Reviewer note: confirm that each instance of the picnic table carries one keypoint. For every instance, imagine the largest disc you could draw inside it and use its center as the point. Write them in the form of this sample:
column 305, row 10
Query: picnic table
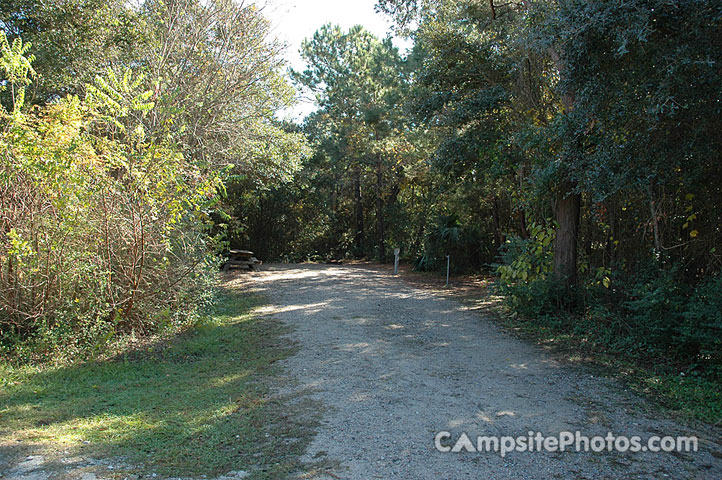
column 241, row 258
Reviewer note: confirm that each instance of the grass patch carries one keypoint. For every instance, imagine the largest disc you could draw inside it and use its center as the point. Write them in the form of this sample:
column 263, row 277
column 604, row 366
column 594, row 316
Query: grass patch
column 199, row 404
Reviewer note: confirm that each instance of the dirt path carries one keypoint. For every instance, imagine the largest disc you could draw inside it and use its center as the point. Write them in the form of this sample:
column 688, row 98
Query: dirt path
column 394, row 364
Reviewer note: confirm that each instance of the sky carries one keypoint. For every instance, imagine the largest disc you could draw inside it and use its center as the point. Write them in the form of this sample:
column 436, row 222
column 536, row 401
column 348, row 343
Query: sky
column 295, row 20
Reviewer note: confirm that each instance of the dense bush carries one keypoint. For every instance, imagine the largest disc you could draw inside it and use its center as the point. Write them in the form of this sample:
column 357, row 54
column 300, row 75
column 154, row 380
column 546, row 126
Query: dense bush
column 527, row 259
column 646, row 313
column 102, row 229
column 113, row 177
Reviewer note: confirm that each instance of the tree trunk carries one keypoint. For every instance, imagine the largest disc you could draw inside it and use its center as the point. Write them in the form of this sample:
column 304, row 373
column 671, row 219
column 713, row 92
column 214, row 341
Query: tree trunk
column 568, row 204
column 586, row 233
column 380, row 234
column 523, row 230
column 358, row 207
column 566, row 212
column 611, row 206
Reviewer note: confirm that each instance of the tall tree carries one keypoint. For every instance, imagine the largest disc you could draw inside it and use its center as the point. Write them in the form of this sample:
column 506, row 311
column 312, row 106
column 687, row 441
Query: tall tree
column 356, row 78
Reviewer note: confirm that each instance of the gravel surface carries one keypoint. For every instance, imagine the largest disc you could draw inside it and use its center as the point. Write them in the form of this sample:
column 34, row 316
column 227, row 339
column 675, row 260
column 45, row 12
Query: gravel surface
column 394, row 364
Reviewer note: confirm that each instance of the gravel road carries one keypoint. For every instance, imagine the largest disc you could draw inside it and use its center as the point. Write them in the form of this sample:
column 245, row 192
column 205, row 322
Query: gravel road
column 394, row 364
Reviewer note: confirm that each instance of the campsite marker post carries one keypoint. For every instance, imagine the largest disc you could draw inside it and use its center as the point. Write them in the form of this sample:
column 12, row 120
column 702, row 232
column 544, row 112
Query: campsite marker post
column 396, row 260
column 448, row 262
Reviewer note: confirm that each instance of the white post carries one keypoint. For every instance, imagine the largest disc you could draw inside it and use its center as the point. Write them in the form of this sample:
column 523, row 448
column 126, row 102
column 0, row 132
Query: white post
column 448, row 262
column 396, row 260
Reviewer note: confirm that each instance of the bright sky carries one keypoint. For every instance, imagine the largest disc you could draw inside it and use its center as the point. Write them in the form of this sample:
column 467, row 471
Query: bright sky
column 295, row 20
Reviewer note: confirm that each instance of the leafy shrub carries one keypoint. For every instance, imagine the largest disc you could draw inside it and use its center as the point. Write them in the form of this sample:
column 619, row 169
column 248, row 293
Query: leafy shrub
column 102, row 228
column 655, row 315
column 646, row 313
column 539, row 298
column 525, row 260
column 702, row 325
column 525, row 280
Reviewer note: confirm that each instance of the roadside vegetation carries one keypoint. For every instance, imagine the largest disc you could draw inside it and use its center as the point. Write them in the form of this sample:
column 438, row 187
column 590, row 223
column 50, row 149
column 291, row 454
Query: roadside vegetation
column 598, row 337
column 686, row 397
column 119, row 132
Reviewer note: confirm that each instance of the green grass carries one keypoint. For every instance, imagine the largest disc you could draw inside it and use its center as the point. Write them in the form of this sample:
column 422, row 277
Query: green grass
column 198, row 404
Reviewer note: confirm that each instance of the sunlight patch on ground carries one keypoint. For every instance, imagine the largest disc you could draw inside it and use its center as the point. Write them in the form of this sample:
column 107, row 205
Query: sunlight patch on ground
column 77, row 431
column 360, row 397
column 519, row 366
column 219, row 382
column 296, row 274
column 275, row 309
column 289, row 275
column 460, row 422
column 362, row 348
column 483, row 416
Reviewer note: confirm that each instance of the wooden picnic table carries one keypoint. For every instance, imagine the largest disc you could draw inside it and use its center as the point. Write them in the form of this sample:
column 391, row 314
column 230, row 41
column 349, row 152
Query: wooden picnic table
column 241, row 258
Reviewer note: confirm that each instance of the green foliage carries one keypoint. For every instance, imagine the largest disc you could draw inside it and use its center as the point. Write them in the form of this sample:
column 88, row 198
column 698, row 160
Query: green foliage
column 220, row 80
column 115, row 100
column 101, row 232
column 466, row 146
column 524, row 276
column 526, row 260
column 668, row 318
column 73, row 41
column 613, row 104
column 649, row 317
column 548, row 302
column 450, row 237
column 112, row 191
column 16, row 69
column 702, row 326
column 219, row 75
column 345, row 195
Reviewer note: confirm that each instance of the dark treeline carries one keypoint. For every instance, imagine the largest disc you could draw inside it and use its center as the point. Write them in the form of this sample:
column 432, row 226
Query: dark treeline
column 599, row 118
